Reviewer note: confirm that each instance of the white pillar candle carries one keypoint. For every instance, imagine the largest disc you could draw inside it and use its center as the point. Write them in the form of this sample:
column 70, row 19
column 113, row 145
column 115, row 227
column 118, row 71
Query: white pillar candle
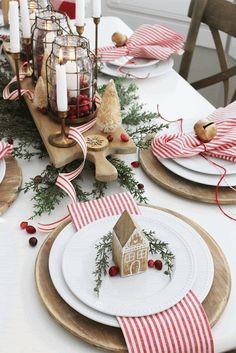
column 14, row 27
column 25, row 19
column 61, row 87
column 97, row 8
column 73, row 78
column 79, row 12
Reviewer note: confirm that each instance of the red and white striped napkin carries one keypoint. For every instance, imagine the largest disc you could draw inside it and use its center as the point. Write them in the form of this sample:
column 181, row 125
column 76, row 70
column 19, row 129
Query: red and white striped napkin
column 181, row 144
column 183, row 328
column 5, row 148
column 151, row 42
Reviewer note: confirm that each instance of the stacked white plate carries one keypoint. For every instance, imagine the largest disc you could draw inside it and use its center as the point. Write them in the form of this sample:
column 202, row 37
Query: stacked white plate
column 197, row 168
column 137, row 67
column 2, row 169
column 72, row 262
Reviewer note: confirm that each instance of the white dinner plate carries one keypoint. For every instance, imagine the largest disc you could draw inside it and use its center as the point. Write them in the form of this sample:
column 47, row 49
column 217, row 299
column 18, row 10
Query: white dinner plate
column 158, row 69
column 201, row 178
column 122, row 296
column 133, row 63
column 201, row 285
column 198, row 163
column 2, row 169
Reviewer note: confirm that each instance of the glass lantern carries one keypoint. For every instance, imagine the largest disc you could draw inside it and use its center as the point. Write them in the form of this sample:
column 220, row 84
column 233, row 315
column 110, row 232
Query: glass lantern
column 48, row 25
column 73, row 52
column 35, row 6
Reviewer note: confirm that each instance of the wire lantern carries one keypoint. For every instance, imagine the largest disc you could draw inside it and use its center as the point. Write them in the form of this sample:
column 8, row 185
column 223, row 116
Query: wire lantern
column 73, row 51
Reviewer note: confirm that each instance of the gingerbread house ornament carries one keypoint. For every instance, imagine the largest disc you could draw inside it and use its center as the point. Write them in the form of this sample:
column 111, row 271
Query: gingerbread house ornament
column 129, row 246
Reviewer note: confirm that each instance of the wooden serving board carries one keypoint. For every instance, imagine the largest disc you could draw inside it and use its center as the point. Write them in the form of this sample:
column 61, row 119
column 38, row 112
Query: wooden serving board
column 9, row 187
column 104, row 170
column 111, row 338
column 181, row 186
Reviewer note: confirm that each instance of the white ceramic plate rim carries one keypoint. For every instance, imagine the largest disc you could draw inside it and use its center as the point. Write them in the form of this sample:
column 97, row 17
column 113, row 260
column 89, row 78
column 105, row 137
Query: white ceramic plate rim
column 118, row 300
column 201, row 286
column 122, row 62
column 2, row 169
column 158, row 69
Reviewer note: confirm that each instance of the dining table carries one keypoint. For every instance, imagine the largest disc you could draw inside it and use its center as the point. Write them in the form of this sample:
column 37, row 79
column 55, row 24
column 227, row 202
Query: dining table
column 25, row 324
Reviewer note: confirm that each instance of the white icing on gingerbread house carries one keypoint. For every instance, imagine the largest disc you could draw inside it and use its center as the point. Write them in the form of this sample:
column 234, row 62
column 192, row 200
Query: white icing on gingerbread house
column 129, row 246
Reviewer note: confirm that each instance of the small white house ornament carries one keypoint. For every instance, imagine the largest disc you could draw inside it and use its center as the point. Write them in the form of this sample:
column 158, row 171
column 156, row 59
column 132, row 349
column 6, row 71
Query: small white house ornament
column 129, row 246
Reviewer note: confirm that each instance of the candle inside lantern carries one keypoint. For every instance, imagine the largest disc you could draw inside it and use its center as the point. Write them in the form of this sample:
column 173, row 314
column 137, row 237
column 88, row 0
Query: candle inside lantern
column 14, row 27
column 79, row 13
column 61, row 85
column 97, row 8
column 25, row 19
column 73, row 76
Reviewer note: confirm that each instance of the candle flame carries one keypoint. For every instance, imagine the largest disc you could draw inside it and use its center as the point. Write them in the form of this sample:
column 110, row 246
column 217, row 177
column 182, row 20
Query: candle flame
column 60, row 57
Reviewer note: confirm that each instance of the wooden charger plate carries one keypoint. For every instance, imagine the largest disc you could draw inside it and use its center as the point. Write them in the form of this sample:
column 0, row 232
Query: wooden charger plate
column 111, row 338
column 9, row 187
column 180, row 186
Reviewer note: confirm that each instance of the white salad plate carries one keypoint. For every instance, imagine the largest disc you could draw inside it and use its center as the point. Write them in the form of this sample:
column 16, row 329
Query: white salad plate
column 158, row 69
column 201, row 285
column 145, row 294
column 2, row 169
column 133, row 63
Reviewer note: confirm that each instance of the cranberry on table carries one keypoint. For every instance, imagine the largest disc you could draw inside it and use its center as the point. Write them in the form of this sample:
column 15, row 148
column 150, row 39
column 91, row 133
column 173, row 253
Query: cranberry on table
column 113, row 271
column 110, row 138
column 124, row 137
column 158, row 264
column 135, row 164
column 140, row 186
column 30, row 229
column 33, row 241
column 151, row 263
column 10, row 141
column 23, row 225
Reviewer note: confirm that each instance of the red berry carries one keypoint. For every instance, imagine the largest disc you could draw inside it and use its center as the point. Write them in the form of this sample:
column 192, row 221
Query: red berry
column 23, row 225
column 113, row 271
column 30, row 229
column 140, row 186
column 135, row 164
column 72, row 109
column 110, row 137
column 124, row 137
column 10, row 140
column 33, row 241
column 158, row 264
column 73, row 101
column 151, row 263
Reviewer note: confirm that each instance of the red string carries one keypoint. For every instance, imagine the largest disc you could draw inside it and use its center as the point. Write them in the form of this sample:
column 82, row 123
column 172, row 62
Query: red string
column 121, row 70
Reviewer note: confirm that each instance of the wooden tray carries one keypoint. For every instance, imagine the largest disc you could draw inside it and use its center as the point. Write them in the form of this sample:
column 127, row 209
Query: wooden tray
column 111, row 338
column 9, row 187
column 181, row 186
column 104, row 170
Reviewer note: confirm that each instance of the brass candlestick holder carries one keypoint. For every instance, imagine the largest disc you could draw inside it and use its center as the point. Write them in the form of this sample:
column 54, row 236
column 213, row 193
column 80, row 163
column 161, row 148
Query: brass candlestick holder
column 61, row 139
column 27, row 46
column 16, row 57
column 80, row 30
column 96, row 21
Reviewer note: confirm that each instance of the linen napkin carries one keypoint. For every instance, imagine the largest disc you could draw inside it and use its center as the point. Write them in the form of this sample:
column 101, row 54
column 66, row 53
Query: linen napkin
column 5, row 148
column 151, row 42
column 183, row 328
column 181, row 144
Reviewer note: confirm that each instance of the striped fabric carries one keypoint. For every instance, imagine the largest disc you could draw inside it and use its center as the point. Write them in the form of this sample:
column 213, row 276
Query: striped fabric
column 5, row 149
column 151, row 42
column 223, row 145
column 14, row 94
column 184, row 328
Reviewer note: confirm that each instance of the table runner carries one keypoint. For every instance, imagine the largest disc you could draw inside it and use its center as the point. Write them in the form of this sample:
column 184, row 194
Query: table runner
column 184, row 328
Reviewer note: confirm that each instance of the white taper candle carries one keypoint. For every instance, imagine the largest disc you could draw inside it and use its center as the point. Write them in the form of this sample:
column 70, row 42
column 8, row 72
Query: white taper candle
column 14, row 27
column 25, row 19
column 79, row 12
column 62, row 100
column 97, row 8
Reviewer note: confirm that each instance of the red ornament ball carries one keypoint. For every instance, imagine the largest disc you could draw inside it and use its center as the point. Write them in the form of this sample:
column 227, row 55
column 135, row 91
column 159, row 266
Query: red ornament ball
column 124, row 137
column 151, row 263
column 113, row 271
column 158, row 264
column 30, row 229
column 23, row 225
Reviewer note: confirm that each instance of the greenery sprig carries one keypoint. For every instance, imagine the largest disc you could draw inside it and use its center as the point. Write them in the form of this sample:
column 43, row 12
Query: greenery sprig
column 104, row 250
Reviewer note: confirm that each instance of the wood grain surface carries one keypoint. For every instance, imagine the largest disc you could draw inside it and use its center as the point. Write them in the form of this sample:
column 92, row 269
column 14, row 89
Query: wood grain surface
column 110, row 338
column 9, row 188
column 180, row 186
column 104, row 170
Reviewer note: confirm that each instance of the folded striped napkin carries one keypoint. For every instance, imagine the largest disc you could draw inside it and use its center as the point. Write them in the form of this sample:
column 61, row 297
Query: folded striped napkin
column 183, row 328
column 5, row 148
column 181, row 144
column 151, row 42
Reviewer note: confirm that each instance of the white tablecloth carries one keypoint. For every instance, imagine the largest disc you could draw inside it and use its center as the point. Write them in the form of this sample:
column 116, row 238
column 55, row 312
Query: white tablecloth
column 25, row 325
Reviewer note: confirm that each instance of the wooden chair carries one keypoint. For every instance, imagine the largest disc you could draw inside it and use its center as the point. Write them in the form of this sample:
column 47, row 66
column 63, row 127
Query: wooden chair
column 219, row 15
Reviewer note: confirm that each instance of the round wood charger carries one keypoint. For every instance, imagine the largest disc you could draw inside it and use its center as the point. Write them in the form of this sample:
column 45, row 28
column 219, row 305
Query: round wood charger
column 111, row 338
column 180, row 186
column 9, row 187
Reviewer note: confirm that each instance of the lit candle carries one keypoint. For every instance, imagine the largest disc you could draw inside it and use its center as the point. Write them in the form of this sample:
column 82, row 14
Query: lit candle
column 79, row 12
column 25, row 19
column 61, row 89
column 73, row 76
column 97, row 8
column 14, row 27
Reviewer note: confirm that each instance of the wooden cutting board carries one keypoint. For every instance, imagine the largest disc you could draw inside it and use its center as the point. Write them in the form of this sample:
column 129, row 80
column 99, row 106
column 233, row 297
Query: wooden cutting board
column 111, row 338
column 9, row 187
column 104, row 170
